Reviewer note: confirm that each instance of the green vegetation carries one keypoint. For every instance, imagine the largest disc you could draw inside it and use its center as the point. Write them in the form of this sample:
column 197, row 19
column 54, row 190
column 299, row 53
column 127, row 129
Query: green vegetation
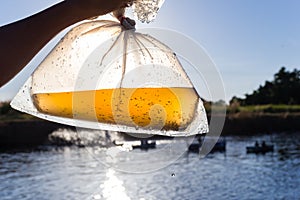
column 270, row 108
column 235, row 108
column 284, row 89
column 281, row 95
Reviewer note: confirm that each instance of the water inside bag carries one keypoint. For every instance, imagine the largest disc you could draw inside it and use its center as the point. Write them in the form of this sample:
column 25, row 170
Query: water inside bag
column 146, row 106
column 100, row 76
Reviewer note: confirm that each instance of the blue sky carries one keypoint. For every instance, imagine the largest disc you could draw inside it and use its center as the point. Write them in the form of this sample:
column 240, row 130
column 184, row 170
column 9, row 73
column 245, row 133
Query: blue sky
column 249, row 40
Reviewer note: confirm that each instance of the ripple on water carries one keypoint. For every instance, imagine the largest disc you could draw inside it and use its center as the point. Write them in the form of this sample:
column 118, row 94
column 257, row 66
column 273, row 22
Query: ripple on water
column 73, row 173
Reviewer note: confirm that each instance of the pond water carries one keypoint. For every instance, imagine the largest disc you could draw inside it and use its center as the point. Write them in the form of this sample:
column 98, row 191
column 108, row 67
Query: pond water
column 163, row 173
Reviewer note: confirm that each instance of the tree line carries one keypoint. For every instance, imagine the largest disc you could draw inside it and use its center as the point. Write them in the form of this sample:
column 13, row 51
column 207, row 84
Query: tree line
column 283, row 89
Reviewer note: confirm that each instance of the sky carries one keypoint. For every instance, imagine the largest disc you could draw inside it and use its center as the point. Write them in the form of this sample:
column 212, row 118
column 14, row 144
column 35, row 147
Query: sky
column 248, row 40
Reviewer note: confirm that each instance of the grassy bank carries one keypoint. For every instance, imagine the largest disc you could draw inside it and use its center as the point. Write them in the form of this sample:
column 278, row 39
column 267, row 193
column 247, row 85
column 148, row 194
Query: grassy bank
column 266, row 109
column 253, row 109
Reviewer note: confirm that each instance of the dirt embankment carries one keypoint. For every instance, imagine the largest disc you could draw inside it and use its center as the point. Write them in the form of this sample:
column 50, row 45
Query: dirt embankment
column 256, row 123
column 26, row 132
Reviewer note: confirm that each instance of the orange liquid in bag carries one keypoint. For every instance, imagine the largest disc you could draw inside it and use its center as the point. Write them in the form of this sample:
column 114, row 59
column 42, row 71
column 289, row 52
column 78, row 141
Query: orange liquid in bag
column 156, row 108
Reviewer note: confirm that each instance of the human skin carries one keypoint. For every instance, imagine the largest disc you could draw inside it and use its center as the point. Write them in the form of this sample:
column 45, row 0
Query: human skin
column 22, row 40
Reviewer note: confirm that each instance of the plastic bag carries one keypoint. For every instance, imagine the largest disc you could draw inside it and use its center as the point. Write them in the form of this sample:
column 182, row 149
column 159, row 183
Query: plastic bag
column 146, row 10
column 101, row 76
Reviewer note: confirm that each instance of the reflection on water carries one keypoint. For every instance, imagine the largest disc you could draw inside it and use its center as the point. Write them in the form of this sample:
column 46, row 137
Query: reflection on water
column 81, row 173
column 112, row 188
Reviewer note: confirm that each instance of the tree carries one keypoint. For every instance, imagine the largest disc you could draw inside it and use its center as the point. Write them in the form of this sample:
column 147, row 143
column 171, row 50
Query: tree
column 284, row 89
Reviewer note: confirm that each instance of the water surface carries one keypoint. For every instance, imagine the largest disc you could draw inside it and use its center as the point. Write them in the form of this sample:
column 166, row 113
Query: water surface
column 94, row 173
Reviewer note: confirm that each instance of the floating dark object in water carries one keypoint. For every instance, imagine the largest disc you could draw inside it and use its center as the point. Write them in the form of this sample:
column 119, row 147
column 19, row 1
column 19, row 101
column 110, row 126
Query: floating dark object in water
column 195, row 147
column 220, row 145
column 264, row 148
column 145, row 145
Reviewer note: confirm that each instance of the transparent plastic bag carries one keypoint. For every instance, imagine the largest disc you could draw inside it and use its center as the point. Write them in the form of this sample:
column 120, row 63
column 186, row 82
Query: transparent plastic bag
column 146, row 10
column 101, row 76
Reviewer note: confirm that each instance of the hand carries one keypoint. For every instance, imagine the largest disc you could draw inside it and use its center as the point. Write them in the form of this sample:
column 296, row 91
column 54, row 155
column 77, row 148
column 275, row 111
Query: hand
column 22, row 40
column 91, row 8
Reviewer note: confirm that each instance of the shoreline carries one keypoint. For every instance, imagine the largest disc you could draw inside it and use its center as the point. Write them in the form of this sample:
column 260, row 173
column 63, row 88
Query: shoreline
column 15, row 133
column 22, row 133
column 260, row 123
